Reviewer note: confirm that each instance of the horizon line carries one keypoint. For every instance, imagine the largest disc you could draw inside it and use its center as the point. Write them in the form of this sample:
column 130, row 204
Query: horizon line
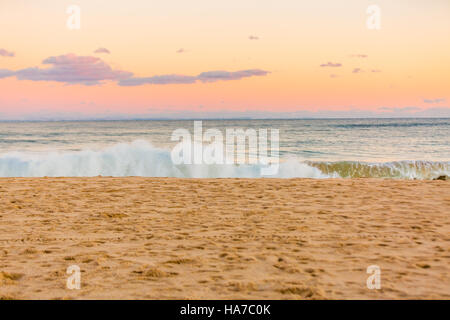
column 218, row 119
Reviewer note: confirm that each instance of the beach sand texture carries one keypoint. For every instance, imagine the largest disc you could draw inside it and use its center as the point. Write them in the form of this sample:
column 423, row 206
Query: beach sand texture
column 168, row 238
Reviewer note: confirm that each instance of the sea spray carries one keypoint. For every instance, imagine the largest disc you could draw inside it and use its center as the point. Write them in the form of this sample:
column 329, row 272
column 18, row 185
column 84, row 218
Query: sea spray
column 140, row 158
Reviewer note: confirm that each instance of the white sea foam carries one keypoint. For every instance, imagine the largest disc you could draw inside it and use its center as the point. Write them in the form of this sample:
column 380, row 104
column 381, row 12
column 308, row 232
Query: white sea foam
column 140, row 158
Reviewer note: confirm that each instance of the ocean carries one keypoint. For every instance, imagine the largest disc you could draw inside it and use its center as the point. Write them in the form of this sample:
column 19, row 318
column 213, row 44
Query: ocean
column 308, row 148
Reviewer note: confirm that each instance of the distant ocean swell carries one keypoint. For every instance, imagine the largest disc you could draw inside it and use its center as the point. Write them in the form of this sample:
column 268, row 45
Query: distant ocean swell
column 140, row 158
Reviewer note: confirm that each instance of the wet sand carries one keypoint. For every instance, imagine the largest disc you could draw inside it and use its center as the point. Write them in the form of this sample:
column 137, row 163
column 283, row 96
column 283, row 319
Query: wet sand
column 167, row 238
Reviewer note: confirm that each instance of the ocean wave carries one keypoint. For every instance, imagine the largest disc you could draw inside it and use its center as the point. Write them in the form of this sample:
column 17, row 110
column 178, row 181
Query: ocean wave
column 422, row 170
column 140, row 158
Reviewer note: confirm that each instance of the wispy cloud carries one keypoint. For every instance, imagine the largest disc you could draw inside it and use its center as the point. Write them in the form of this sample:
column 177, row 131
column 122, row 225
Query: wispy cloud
column 399, row 110
column 73, row 69
column 253, row 38
column 331, row 64
column 162, row 79
column 88, row 70
column 357, row 70
column 102, row 50
column 6, row 53
column 181, row 50
column 359, row 55
column 4, row 73
column 434, row 101
column 209, row 76
column 213, row 76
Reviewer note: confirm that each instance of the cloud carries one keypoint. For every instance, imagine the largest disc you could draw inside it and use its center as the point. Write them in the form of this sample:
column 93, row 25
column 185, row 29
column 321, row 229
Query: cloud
column 212, row 76
column 4, row 73
column 399, row 109
column 162, row 79
column 209, row 76
column 359, row 55
column 102, row 50
column 431, row 101
column 357, row 70
column 73, row 69
column 442, row 112
column 181, row 50
column 375, row 71
column 88, row 70
column 253, row 37
column 331, row 64
column 6, row 53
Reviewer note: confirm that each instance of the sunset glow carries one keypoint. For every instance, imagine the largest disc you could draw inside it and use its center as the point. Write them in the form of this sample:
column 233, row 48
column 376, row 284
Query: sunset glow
column 219, row 59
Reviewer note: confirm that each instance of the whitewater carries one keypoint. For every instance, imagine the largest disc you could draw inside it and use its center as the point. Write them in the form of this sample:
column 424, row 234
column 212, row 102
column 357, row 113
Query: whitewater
column 140, row 158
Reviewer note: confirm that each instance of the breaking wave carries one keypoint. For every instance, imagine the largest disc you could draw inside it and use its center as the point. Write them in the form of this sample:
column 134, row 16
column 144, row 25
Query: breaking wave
column 140, row 158
column 422, row 170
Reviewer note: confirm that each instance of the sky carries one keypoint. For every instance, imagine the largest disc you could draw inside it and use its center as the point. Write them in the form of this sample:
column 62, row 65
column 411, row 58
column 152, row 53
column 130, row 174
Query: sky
column 234, row 58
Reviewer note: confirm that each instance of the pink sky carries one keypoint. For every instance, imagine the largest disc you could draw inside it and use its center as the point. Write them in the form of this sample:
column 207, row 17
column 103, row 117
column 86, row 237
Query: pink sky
column 224, row 59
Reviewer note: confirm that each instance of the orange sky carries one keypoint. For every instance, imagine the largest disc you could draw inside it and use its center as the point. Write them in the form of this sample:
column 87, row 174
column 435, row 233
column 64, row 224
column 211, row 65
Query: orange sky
column 291, row 40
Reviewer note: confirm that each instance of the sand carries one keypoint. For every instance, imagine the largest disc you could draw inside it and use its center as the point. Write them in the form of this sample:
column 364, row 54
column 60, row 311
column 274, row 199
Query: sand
column 166, row 238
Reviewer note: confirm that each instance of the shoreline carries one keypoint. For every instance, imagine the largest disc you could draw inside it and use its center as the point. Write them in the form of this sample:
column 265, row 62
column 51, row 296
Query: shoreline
column 224, row 238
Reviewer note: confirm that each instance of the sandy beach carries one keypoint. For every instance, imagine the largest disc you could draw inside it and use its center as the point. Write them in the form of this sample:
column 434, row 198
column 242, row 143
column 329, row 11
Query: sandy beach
column 168, row 238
